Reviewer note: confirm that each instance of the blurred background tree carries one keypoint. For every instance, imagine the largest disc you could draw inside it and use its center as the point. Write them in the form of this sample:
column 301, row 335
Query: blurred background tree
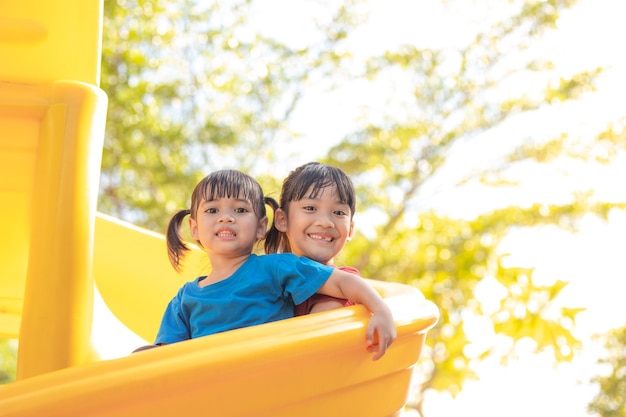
column 611, row 398
column 198, row 86
column 8, row 360
column 193, row 87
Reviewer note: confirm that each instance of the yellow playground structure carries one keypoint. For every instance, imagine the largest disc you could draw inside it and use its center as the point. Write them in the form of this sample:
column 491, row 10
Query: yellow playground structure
column 56, row 249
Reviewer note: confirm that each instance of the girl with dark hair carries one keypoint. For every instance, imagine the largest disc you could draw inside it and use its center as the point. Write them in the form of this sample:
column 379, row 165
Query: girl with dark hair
column 315, row 220
column 227, row 218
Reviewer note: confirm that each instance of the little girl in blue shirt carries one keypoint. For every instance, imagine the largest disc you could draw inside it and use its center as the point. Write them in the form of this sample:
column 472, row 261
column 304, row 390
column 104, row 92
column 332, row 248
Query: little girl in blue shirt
column 227, row 218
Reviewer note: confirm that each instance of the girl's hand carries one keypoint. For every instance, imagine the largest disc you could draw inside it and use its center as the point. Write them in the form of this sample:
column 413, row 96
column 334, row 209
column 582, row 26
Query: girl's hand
column 381, row 332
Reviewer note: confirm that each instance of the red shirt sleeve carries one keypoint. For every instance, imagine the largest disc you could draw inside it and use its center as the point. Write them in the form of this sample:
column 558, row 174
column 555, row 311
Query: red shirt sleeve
column 305, row 308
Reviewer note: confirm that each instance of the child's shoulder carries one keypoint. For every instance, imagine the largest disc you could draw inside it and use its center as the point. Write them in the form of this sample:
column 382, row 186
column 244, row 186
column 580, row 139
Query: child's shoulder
column 284, row 259
column 272, row 258
column 349, row 269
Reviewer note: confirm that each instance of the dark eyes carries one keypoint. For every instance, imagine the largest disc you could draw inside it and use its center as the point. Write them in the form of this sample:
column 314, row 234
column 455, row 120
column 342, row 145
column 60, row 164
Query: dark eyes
column 335, row 212
column 239, row 210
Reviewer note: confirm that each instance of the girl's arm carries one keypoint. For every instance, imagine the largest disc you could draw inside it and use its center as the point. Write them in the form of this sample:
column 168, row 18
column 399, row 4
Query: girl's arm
column 381, row 330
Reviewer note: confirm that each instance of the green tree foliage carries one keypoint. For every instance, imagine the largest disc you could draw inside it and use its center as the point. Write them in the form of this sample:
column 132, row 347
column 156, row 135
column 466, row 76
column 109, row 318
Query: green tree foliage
column 8, row 360
column 442, row 100
column 194, row 87
column 611, row 400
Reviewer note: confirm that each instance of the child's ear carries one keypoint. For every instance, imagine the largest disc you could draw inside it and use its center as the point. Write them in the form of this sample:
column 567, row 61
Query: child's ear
column 350, row 232
column 262, row 229
column 193, row 228
column 280, row 220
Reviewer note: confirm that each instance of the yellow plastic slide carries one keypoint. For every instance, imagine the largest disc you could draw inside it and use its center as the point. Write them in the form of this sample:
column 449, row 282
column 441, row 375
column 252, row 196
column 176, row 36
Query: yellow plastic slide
column 56, row 249
column 307, row 366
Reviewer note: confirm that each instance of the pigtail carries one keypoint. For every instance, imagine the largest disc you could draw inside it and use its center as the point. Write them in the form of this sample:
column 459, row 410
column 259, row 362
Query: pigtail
column 270, row 201
column 275, row 240
column 176, row 246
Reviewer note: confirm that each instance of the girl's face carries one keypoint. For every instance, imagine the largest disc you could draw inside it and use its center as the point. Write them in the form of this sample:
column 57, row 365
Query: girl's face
column 227, row 226
column 317, row 228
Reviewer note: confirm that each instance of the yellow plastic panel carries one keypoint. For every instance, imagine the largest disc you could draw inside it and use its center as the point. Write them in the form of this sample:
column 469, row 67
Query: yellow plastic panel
column 22, row 108
column 51, row 144
column 314, row 365
column 134, row 276
column 50, row 40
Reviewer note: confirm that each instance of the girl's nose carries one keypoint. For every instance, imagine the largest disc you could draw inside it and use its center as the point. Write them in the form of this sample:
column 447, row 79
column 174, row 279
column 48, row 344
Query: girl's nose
column 226, row 218
column 324, row 220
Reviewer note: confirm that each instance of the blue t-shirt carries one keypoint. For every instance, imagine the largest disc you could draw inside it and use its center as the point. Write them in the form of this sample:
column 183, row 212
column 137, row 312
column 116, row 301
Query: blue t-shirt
column 263, row 289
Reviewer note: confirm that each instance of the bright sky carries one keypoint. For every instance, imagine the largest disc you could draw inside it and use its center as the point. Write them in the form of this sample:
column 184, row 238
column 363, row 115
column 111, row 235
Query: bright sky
column 592, row 260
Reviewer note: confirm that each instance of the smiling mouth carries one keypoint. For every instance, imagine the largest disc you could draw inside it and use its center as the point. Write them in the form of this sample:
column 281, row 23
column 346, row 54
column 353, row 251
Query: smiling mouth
column 225, row 233
column 321, row 238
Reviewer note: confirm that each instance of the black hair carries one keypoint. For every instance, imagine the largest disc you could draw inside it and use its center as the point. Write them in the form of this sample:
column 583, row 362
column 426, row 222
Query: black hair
column 311, row 178
column 226, row 183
